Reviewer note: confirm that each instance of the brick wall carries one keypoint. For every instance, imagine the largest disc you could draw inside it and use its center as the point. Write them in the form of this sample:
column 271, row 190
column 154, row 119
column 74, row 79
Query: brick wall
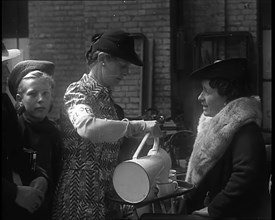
column 60, row 31
column 216, row 15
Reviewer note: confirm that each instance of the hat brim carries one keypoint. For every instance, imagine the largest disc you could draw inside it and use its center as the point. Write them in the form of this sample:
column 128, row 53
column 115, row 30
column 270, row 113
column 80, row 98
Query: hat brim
column 133, row 58
column 110, row 48
column 12, row 53
column 229, row 69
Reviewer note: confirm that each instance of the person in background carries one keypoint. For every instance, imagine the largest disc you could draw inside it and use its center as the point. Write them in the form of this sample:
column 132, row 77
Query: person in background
column 93, row 133
column 18, row 201
column 31, row 85
column 228, row 163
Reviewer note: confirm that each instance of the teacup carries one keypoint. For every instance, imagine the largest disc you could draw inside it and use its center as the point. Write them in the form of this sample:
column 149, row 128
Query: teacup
column 167, row 188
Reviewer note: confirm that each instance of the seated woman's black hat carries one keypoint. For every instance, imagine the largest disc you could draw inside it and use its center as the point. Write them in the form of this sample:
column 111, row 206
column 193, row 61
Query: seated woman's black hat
column 229, row 69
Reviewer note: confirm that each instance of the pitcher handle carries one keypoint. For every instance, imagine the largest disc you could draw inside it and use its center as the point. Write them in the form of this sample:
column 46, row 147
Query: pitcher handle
column 154, row 148
column 156, row 144
column 140, row 146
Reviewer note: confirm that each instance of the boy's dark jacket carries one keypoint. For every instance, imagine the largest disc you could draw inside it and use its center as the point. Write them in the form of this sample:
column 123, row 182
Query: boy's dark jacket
column 15, row 158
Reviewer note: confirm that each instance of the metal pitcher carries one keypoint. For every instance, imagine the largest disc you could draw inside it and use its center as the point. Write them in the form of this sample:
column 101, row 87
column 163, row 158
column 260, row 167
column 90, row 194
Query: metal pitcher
column 135, row 180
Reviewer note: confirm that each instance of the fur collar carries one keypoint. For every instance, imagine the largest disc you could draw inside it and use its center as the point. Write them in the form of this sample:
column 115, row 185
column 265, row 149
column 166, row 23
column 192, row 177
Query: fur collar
column 214, row 134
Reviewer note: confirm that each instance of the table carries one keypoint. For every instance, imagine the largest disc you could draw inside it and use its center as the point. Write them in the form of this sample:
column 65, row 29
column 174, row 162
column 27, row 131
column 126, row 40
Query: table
column 158, row 204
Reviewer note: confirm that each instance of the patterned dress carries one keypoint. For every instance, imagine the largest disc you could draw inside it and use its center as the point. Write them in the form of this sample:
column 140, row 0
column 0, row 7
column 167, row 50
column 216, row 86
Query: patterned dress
column 86, row 178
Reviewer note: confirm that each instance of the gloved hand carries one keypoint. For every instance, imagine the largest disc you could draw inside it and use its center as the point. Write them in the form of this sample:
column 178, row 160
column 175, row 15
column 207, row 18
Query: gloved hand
column 40, row 183
column 140, row 127
column 154, row 128
column 29, row 198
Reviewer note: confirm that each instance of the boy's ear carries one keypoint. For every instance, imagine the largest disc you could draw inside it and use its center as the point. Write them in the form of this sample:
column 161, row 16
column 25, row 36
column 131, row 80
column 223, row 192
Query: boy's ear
column 18, row 98
column 101, row 57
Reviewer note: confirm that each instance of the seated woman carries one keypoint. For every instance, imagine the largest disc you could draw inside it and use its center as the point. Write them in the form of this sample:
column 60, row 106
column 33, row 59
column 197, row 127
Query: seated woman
column 228, row 163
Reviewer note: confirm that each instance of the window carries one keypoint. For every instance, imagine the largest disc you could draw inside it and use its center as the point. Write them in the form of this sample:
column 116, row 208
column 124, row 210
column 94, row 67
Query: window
column 220, row 46
column 14, row 19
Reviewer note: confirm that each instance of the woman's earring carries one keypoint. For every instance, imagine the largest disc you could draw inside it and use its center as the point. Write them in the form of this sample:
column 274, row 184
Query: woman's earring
column 103, row 64
column 224, row 104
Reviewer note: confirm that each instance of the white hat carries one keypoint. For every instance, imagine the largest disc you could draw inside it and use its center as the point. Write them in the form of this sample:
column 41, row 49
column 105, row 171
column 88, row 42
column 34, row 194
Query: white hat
column 9, row 54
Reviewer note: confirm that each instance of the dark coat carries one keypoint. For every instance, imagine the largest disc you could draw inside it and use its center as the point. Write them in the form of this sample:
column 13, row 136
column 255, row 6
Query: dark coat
column 44, row 138
column 13, row 158
column 17, row 136
column 238, row 184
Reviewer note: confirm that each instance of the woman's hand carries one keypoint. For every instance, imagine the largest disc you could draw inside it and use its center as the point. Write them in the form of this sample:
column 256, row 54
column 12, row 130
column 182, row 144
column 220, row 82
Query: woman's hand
column 141, row 127
column 154, row 128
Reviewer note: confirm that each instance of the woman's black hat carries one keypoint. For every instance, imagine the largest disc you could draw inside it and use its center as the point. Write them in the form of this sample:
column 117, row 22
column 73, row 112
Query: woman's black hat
column 118, row 43
column 229, row 69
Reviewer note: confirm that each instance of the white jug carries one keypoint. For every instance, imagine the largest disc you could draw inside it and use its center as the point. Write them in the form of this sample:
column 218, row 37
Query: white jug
column 135, row 180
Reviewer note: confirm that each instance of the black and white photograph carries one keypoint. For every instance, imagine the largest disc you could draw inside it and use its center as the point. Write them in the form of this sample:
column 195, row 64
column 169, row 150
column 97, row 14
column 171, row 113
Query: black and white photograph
column 136, row 110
